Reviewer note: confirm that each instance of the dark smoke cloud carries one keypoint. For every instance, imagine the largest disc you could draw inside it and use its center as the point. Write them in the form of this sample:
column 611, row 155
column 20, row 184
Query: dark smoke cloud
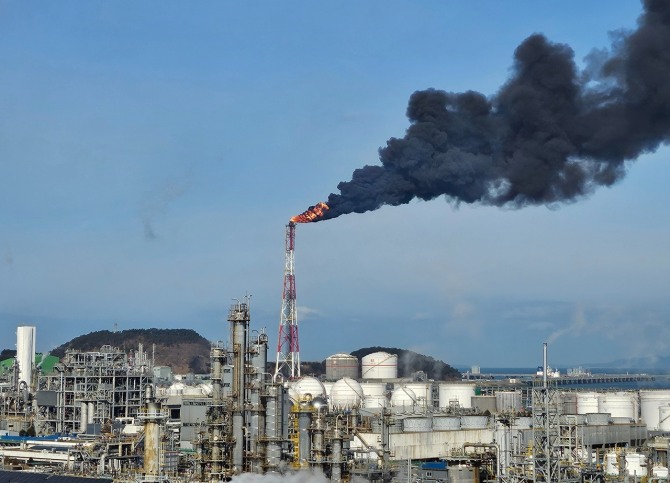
column 551, row 134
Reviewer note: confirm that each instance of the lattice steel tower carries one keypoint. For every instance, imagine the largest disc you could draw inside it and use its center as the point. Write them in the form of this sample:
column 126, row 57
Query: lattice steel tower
column 288, row 352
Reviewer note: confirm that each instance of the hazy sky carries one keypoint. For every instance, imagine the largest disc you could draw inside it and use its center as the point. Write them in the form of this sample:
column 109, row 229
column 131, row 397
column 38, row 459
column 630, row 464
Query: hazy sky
column 152, row 152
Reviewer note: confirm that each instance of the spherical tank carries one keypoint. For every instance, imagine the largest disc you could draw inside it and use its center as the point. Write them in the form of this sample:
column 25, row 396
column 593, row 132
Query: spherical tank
column 618, row 404
column 423, row 392
column 308, row 386
column 379, row 365
column 403, row 397
column 454, row 393
column 587, row 402
column 375, row 394
column 346, row 394
column 650, row 402
column 328, row 386
column 341, row 365
column 508, row 400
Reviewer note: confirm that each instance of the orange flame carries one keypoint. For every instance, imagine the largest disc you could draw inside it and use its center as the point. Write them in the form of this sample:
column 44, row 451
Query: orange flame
column 313, row 213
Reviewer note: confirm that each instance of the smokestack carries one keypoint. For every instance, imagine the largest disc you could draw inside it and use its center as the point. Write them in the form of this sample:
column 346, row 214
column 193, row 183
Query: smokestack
column 552, row 134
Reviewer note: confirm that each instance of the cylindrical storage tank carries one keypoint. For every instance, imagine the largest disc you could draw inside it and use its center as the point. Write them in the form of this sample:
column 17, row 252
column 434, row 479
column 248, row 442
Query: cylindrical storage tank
column 341, row 365
column 483, row 403
column 636, row 464
column 587, row 402
column 568, row 402
column 416, row 424
column 446, row 423
column 455, row 394
column 423, row 392
column 664, row 418
column 508, row 400
column 379, row 365
column 91, row 412
column 346, row 394
column 375, row 395
column 403, row 397
column 474, row 422
column 597, row 419
column 618, row 404
column 650, row 402
column 25, row 352
column 308, row 386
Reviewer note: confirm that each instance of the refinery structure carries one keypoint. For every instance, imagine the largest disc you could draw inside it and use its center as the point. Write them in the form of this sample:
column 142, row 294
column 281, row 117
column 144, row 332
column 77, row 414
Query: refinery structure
column 114, row 415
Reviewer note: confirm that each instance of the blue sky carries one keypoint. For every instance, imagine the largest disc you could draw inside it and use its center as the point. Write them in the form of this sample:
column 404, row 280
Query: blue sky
column 151, row 154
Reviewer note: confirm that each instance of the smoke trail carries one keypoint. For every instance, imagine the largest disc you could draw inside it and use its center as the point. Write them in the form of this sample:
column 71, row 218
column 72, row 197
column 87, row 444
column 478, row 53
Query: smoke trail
column 551, row 134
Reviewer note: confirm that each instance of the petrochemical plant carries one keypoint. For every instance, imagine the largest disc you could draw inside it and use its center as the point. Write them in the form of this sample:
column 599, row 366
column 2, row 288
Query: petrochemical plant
column 114, row 415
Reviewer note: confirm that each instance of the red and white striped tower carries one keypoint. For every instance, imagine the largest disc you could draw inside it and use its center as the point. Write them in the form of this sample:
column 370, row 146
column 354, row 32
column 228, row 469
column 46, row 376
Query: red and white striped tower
column 288, row 351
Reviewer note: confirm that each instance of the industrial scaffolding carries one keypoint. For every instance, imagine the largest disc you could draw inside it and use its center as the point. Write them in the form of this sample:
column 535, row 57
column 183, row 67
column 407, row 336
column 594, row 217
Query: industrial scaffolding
column 88, row 390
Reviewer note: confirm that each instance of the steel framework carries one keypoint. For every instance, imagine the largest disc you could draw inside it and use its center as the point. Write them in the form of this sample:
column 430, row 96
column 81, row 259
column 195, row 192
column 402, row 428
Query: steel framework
column 288, row 351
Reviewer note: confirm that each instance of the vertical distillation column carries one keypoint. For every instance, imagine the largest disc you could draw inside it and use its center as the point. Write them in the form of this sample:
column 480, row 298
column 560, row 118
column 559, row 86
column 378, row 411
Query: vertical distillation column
column 152, row 437
column 259, row 357
column 288, row 353
column 217, row 417
column 545, row 428
column 239, row 320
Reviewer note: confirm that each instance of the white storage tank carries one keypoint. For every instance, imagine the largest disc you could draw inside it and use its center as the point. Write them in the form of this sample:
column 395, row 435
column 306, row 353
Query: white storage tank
column 416, row 424
column 403, row 397
column 25, row 352
column 375, row 394
column 446, row 423
column 659, row 471
column 341, row 365
column 455, row 393
column 379, row 365
column 650, row 403
column 307, row 386
column 508, row 400
column 664, row 418
column 611, row 461
column 423, row 392
column 618, row 404
column 587, row 402
column 346, row 394
column 636, row 464
column 328, row 386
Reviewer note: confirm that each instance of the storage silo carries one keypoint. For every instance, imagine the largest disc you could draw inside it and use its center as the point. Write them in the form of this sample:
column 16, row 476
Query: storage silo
column 341, row 365
column 346, row 394
column 379, row 365
column 25, row 352
column 455, row 393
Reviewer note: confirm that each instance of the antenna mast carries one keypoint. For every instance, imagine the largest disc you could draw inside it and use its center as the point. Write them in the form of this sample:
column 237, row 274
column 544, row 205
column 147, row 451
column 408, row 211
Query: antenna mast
column 288, row 352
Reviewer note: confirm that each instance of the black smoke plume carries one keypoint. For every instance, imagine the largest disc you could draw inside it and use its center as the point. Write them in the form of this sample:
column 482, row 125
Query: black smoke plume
column 552, row 134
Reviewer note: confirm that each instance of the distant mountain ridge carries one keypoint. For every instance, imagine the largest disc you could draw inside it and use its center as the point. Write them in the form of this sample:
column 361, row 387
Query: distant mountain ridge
column 184, row 350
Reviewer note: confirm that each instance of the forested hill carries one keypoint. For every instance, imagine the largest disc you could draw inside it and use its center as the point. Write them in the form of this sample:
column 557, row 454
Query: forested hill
column 184, row 350
column 410, row 362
